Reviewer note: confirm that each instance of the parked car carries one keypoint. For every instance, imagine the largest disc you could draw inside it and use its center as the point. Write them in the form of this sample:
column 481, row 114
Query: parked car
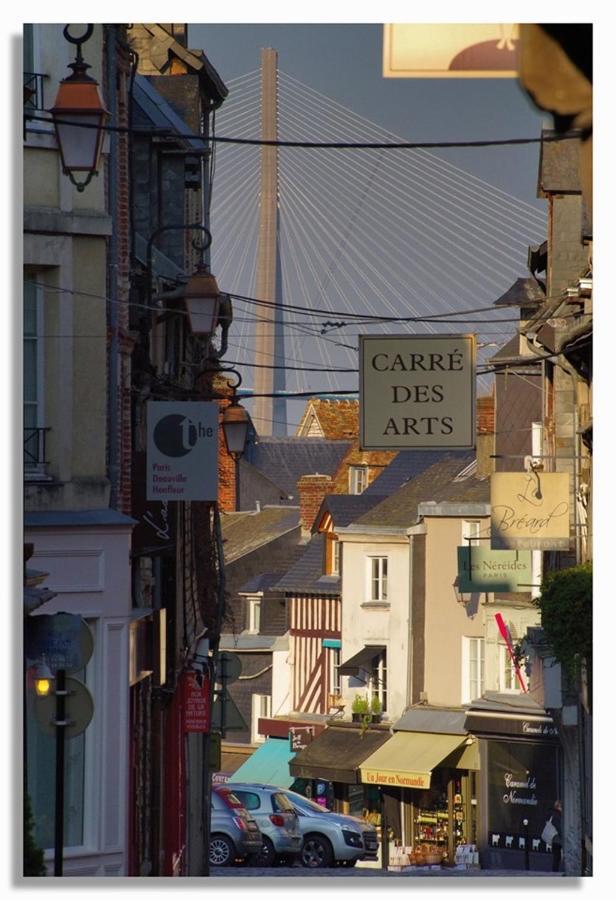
column 332, row 838
column 234, row 834
column 276, row 818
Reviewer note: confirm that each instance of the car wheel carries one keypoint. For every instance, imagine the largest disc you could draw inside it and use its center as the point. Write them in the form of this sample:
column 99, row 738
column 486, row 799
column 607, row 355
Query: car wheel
column 267, row 856
column 222, row 851
column 317, row 852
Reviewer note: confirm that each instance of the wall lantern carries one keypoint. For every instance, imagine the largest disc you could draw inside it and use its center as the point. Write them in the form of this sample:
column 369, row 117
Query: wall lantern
column 43, row 680
column 462, row 599
column 235, row 423
column 79, row 118
column 202, row 299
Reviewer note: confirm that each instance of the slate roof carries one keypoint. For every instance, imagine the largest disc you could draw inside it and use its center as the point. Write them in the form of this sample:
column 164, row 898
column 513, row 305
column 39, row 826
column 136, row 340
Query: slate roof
column 407, row 464
column 437, row 483
column 345, row 508
column 306, row 576
column 244, row 532
column 161, row 114
column 283, row 460
column 523, row 292
column 260, row 583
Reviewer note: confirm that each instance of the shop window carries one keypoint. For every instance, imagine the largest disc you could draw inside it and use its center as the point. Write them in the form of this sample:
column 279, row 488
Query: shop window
column 473, row 668
column 378, row 566
column 358, row 479
column 253, row 623
column 261, row 709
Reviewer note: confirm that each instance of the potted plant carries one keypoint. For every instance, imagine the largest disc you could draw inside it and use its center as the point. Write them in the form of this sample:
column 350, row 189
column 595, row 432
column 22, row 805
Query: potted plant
column 376, row 708
column 359, row 708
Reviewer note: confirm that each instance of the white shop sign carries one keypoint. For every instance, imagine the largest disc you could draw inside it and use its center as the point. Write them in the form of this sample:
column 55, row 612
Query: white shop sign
column 182, row 457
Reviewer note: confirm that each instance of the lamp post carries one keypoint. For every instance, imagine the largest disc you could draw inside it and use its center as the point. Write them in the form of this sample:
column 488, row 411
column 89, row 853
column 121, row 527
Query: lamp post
column 79, row 117
column 235, row 425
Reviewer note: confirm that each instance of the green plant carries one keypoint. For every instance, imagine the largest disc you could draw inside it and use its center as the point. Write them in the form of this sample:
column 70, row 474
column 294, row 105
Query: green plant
column 376, row 707
column 360, row 704
column 33, row 856
column 566, row 615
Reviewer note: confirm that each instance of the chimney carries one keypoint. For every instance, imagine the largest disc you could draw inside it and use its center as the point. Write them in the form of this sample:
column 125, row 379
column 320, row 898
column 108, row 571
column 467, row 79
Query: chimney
column 312, row 490
column 486, row 410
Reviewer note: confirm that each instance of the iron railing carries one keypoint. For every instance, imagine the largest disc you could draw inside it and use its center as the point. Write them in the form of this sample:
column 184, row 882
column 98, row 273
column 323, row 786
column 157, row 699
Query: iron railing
column 35, row 450
column 34, row 96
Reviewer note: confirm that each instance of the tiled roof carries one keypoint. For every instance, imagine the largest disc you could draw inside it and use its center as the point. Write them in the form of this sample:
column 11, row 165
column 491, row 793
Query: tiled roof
column 523, row 292
column 437, row 483
column 306, row 576
column 375, row 460
column 244, row 532
column 335, row 419
column 346, row 508
column 283, row 460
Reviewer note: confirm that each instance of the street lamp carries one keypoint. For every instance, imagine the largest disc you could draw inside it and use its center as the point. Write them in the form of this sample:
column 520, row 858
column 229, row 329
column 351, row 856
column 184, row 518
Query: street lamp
column 43, row 680
column 202, row 299
column 79, row 116
column 235, row 423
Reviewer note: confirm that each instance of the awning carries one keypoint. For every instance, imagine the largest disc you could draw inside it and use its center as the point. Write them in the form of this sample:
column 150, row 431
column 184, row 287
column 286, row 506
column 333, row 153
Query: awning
column 337, row 754
column 269, row 764
column 361, row 660
column 408, row 758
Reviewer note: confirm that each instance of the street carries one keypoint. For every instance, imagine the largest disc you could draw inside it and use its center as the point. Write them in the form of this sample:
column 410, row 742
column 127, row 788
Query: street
column 339, row 872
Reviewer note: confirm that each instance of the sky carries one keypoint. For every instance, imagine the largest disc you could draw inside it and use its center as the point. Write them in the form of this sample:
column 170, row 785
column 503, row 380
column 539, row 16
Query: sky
column 344, row 61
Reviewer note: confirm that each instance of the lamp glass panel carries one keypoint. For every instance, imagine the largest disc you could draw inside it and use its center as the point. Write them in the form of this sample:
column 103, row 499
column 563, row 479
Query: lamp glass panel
column 79, row 145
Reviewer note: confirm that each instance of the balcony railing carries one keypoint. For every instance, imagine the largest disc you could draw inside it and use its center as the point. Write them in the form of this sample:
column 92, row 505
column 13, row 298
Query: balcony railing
column 34, row 97
column 35, row 451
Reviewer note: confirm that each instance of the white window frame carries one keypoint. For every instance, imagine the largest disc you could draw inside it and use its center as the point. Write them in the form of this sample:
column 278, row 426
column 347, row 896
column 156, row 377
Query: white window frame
column 471, row 532
column 253, row 622
column 380, row 580
column 334, row 660
column 377, row 684
column 261, row 709
column 336, row 557
column 36, row 469
column 473, row 652
column 507, row 679
column 358, row 479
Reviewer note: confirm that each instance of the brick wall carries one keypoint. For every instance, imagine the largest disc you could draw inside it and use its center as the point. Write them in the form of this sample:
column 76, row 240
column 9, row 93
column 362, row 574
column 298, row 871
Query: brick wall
column 312, row 490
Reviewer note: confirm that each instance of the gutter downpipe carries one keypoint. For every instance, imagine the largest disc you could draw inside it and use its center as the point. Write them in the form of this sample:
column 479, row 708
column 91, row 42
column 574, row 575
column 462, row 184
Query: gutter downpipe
column 112, row 400
column 418, row 528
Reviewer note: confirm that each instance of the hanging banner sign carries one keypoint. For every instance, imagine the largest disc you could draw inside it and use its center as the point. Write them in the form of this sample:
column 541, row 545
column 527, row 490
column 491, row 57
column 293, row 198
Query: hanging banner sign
column 182, row 458
column 300, row 738
column 446, row 50
column 417, row 392
column 481, row 569
column 196, row 706
column 530, row 510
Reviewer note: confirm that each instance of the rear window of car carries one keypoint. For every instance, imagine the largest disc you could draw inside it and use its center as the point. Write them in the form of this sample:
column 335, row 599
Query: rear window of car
column 280, row 803
column 248, row 799
column 229, row 798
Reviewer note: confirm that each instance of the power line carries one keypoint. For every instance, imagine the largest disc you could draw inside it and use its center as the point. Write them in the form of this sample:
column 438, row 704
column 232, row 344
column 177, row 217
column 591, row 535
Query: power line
column 314, row 145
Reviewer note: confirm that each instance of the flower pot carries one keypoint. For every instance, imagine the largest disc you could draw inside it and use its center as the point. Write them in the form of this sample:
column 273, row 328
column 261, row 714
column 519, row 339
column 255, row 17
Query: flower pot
column 377, row 717
column 355, row 717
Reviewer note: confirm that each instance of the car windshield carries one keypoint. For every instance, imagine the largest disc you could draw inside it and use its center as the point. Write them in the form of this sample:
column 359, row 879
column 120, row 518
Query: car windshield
column 308, row 805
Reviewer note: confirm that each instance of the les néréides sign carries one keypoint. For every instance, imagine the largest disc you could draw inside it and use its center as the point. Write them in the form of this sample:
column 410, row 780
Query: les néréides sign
column 182, row 457
column 417, row 392
column 481, row 569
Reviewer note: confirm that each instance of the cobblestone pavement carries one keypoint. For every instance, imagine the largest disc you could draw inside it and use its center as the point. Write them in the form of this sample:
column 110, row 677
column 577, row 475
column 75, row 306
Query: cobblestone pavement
column 427, row 872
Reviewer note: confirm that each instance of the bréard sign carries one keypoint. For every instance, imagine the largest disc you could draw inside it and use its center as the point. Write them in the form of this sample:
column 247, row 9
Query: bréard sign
column 417, row 392
column 530, row 510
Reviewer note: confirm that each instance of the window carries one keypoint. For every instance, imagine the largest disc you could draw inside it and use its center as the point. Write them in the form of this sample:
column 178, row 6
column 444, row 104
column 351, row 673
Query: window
column 248, row 799
column 358, row 479
column 507, row 678
column 333, row 656
column 336, row 556
column 254, row 615
column 377, row 685
column 471, row 532
column 377, row 592
column 34, row 432
column 261, row 709
column 473, row 666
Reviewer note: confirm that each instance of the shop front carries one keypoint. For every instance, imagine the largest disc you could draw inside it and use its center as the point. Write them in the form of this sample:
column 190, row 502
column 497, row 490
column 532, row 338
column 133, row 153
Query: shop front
column 519, row 780
column 334, row 758
column 428, row 781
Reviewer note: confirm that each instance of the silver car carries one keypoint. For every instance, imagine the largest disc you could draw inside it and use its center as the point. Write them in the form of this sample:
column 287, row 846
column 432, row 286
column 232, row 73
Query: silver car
column 234, row 834
column 276, row 818
column 332, row 838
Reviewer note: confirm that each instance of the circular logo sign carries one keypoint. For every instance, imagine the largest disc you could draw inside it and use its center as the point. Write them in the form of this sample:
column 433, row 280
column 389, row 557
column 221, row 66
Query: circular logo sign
column 175, row 435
